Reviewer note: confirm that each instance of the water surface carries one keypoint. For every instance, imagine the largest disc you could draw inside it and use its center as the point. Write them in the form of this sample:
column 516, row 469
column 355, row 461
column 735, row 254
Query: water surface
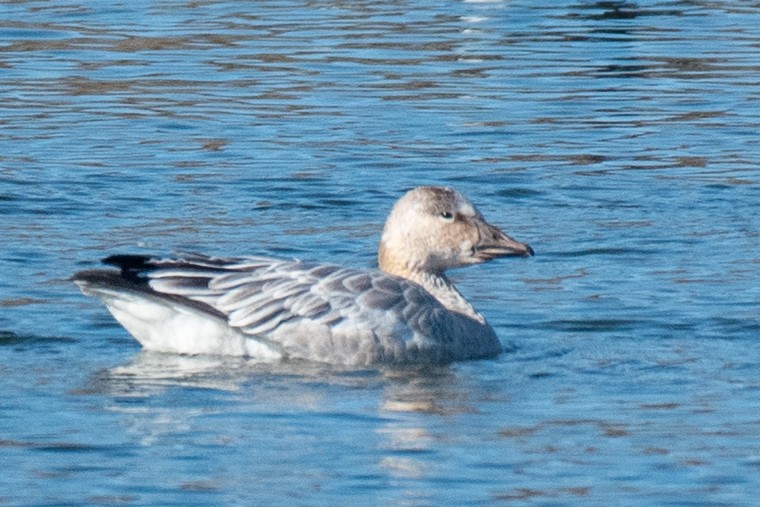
column 620, row 139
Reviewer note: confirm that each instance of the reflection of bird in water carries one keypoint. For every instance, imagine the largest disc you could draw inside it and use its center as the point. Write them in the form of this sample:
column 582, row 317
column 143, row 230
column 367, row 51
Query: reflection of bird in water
column 406, row 312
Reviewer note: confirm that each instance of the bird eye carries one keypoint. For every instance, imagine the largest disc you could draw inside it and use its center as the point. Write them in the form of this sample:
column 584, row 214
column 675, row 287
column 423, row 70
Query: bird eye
column 447, row 216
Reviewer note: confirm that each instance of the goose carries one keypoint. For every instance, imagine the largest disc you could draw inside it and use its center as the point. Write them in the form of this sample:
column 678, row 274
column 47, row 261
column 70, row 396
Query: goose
column 269, row 309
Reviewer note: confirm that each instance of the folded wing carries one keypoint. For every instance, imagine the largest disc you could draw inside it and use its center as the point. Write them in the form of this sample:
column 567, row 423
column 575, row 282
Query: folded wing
column 258, row 294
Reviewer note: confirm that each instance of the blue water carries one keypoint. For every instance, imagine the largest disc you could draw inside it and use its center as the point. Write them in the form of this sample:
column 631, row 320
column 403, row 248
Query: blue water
column 620, row 139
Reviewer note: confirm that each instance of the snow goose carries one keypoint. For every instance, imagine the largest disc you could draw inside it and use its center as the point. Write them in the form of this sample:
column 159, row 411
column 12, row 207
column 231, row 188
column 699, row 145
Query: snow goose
column 407, row 312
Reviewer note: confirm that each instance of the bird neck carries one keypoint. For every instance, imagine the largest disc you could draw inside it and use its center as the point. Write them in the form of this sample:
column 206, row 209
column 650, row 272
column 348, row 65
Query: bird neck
column 435, row 282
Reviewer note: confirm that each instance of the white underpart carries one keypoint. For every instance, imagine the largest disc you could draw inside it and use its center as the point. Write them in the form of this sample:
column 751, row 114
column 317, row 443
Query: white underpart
column 163, row 326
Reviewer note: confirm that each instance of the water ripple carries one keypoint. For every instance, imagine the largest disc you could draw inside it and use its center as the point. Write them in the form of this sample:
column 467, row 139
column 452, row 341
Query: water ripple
column 619, row 138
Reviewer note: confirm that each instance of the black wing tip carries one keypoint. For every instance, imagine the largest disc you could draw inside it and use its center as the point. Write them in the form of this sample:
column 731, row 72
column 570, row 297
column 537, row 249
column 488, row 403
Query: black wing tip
column 130, row 266
column 129, row 262
column 86, row 276
column 99, row 278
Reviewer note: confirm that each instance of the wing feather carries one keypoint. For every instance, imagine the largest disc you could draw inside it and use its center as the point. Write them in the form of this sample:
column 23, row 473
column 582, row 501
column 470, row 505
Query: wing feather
column 258, row 294
column 252, row 316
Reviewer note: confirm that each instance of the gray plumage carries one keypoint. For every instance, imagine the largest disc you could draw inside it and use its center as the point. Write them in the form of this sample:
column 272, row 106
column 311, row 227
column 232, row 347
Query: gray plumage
column 408, row 312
